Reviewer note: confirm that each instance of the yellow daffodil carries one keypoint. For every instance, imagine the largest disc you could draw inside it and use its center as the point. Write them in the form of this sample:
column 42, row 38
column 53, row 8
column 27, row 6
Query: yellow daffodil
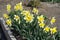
column 53, row 30
column 35, row 10
column 40, row 18
column 29, row 18
column 25, row 13
column 18, row 6
column 8, row 7
column 8, row 22
column 42, row 25
column 46, row 29
column 5, row 16
column 53, row 20
column 16, row 17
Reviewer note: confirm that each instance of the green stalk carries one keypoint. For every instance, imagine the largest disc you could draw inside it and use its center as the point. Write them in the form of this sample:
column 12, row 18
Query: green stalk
column 53, row 1
column 54, row 37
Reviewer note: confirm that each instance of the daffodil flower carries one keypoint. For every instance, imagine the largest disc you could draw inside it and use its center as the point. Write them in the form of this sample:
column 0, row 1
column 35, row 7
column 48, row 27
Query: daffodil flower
column 5, row 16
column 8, row 7
column 41, row 25
column 25, row 13
column 35, row 10
column 53, row 30
column 9, row 22
column 29, row 18
column 40, row 18
column 46, row 29
column 53, row 20
column 16, row 17
column 18, row 6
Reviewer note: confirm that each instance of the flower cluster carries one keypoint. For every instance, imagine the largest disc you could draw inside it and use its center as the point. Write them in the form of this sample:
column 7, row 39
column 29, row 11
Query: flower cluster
column 41, row 20
column 31, row 25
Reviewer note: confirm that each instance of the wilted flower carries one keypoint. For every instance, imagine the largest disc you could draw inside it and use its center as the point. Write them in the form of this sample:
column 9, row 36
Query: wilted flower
column 16, row 17
column 8, row 7
column 42, row 24
column 53, row 20
column 53, row 30
column 40, row 18
column 29, row 18
column 18, row 6
column 9, row 22
column 35, row 10
column 5, row 16
column 46, row 29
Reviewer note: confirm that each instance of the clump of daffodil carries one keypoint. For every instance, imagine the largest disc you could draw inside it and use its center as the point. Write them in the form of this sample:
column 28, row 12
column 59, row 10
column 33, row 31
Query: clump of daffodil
column 42, row 24
column 53, row 20
column 9, row 22
column 40, row 18
column 8, row 7
column 46, row 29
column 5, row 16
column 25, row 13
column 18, row 6
column 16, row 17
column 53, row 30
column 35, row 10
column 29, row 18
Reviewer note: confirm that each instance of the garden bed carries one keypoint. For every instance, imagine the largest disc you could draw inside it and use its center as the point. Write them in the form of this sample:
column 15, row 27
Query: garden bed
column 30, row 25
